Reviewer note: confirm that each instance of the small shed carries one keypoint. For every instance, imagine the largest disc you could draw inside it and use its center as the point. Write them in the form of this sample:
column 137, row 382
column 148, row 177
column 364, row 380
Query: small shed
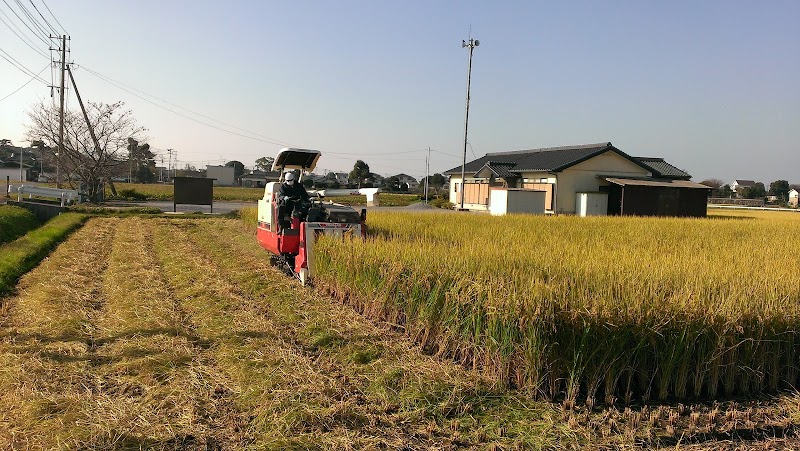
column 591, row 204
column 793, row 198
column 503, row 201
column 649, row 197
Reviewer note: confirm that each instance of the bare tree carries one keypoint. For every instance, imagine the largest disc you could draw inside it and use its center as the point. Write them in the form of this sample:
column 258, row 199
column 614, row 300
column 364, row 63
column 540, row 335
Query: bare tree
column 81, row 158
column 713, row 183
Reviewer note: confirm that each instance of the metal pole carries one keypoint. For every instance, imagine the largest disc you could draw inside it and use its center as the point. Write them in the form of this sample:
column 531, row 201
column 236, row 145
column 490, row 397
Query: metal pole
column 472, row 43
column 427, row 173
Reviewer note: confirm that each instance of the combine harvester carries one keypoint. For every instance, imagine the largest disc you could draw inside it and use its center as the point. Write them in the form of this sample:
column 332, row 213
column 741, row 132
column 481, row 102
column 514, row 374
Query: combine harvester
column 290, row 237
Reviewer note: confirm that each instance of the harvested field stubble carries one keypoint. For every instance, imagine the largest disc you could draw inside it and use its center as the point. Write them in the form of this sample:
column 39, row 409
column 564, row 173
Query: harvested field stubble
column 584, row 309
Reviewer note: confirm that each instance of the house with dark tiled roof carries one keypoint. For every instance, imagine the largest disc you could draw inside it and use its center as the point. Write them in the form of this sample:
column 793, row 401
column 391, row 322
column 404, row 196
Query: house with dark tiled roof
column 738, row 185
column 568, row 175
column 259, row 179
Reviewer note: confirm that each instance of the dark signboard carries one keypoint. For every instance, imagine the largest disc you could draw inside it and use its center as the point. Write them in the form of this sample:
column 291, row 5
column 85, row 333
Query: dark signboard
column 193, row 191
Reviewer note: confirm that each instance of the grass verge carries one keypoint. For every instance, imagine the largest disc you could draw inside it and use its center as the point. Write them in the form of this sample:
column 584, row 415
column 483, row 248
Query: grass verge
column 19, row 256
column 15, row 222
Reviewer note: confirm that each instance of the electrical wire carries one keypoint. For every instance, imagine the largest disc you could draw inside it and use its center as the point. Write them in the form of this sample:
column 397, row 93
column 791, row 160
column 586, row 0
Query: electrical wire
column 26, row 83
column 25, row 23
column 32, row 19
column 24, row 40
column 110, row 80
column 20, row 66
column 56, row 18
column 43, row 18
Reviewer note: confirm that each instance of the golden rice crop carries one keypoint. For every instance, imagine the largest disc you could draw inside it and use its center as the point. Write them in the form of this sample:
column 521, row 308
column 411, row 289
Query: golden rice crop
column 586, row 308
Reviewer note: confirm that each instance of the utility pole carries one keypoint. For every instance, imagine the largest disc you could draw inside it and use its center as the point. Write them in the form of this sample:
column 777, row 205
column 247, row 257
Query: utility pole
column 169, row 162
column 472, row 43
column 20, row 165
column 61, row 109
column 427, row 173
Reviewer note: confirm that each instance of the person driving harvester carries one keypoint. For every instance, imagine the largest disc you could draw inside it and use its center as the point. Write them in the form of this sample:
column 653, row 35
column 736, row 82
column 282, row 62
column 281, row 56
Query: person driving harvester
column 294, row 195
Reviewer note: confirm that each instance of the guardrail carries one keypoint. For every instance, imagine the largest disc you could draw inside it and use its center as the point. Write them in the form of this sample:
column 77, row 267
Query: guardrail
column 66, row 196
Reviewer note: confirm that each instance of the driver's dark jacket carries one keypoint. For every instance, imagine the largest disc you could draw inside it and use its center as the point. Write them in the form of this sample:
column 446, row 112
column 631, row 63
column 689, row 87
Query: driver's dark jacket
column 296, row 191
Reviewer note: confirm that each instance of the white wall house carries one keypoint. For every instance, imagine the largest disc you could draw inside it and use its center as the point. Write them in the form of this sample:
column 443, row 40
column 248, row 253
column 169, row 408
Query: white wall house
column 563, row 172
column 739, row 184
column 408, row 180
column 224, row 175
column 793, row 198
column 13, row 174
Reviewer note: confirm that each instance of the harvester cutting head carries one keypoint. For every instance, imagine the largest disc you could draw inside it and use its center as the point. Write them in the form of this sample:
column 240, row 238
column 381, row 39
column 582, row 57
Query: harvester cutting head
column 288, row 225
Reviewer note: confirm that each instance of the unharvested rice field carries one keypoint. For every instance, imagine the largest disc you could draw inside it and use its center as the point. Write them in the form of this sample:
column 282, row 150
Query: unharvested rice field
column 587, row 310
column 156, row 191
column 175, row 333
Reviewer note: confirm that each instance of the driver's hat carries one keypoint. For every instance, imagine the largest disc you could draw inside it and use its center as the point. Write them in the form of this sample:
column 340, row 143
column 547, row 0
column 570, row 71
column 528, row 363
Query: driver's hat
column 290, row 176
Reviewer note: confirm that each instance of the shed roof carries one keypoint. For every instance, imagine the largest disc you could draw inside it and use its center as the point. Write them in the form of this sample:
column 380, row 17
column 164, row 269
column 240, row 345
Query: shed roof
column 741, row 182
column 664, row 183
column 661, row 168
column 549, row 159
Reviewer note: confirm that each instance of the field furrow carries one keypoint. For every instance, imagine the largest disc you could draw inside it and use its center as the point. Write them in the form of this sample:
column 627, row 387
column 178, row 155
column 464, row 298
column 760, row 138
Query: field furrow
column 290, row 371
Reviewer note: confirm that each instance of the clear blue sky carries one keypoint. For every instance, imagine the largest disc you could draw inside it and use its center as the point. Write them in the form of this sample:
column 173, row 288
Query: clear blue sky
column 712, row 86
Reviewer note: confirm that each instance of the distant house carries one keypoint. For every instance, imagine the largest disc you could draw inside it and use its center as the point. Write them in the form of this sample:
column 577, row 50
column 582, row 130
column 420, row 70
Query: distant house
column 222, row 175
column 259, row 179
column 408, row 180
column 10, row 162
column 738, row 185
column 570, row 175
column 342, row 177
column 793, row 199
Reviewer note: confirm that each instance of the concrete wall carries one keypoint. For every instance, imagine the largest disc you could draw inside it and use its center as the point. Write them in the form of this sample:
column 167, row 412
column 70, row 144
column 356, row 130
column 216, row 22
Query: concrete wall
column 224, row 175
column 516, row 201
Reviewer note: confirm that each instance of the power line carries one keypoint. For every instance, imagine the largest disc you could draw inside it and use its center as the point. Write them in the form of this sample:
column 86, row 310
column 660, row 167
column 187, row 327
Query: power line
column 32, row 19
column 45, row 20
column 20, row 66
column 26, row 83
column 54, row 17
column 118, row 84
column 25, row 23
column 23, row 39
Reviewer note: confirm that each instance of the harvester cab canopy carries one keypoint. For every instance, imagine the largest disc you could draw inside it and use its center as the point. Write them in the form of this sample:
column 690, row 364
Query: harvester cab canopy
column 304, row 160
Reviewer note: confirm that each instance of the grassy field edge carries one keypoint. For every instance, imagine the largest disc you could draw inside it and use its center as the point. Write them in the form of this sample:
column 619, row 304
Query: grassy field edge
column 15, row 222
column 21, row 255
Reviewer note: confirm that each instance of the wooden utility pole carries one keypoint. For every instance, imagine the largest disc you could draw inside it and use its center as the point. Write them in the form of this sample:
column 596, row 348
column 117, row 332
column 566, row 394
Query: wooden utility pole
column 61, row 110
column 88, row 124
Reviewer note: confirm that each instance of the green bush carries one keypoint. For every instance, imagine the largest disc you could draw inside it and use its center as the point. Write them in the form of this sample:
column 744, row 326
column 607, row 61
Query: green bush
column 15, row 222
column 131, row 194
column 440, row 202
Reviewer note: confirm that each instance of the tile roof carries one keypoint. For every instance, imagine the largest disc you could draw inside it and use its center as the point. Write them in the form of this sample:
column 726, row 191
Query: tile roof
column 499, row 169
column 661, row 168
column 549, row 159
column 741, row 182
